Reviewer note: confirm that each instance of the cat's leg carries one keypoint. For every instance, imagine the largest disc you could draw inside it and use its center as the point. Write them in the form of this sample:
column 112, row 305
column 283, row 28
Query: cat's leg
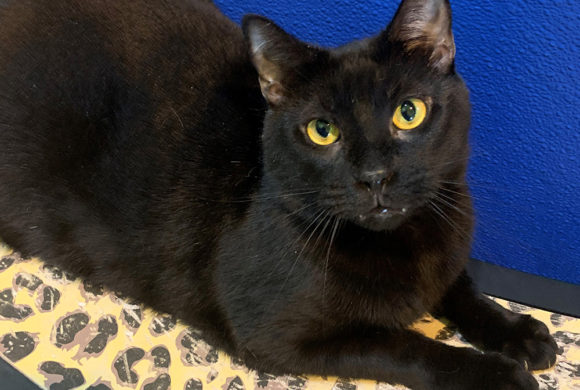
column 485, row 323
column 393, row 356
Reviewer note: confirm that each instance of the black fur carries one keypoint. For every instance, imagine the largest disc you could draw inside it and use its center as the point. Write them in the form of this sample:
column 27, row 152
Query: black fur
column 137, row 151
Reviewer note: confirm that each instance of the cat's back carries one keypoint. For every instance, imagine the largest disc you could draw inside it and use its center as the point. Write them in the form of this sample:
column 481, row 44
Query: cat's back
column 143, row 39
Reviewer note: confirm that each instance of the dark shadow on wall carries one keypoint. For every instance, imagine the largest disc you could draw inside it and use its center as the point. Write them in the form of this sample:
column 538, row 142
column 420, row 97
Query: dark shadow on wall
column 532, row 290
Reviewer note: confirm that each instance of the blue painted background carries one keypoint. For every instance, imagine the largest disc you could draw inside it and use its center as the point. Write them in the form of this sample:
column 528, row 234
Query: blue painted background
column 521, row 61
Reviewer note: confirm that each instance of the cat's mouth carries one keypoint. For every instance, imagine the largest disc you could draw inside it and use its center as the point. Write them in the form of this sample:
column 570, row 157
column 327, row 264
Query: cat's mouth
column 384, row 212
column 382, row 217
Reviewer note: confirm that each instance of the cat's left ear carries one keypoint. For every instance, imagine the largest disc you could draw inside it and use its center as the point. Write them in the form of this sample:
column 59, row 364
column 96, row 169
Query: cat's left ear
column 276, row 55
column 425, row 26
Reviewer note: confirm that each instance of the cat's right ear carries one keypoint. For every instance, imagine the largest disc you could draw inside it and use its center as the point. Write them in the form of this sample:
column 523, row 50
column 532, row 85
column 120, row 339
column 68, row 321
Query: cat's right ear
column 425, row 26
column 276, row 55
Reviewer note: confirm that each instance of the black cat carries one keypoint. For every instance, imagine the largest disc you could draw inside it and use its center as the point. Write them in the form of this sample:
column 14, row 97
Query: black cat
column 303, row 232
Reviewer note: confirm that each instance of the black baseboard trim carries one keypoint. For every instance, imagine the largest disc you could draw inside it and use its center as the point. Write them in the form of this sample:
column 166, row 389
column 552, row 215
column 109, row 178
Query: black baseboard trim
column 532, row 290
column 11, row 379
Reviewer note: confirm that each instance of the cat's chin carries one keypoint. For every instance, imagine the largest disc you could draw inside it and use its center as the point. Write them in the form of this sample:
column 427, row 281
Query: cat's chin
column 381, row 219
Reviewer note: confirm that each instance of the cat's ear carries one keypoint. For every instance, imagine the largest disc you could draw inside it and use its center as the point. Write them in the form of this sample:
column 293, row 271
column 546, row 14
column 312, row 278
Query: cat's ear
column 276, row 55
column 425, row 26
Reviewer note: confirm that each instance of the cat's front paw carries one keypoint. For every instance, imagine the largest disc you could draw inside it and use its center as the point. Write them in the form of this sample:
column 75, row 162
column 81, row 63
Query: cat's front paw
column 531, row 344
column 490, row 371
column 501, row 373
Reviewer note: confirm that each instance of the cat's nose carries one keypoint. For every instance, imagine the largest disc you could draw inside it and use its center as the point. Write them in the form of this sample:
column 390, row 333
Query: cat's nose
column 375, row 181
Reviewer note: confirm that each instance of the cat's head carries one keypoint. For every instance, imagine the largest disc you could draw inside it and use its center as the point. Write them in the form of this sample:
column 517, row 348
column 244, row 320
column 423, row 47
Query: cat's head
column 369, row 131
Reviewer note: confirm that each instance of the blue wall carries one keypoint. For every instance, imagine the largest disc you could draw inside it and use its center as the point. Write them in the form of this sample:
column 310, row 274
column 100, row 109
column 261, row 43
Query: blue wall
column 521, row 61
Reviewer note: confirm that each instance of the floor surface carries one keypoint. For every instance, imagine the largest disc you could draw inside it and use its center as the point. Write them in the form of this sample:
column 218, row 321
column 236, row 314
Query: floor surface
column 63, row 333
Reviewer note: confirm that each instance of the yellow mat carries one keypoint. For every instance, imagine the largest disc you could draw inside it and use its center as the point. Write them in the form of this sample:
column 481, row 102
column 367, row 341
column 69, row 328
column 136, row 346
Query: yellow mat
column 63, row 333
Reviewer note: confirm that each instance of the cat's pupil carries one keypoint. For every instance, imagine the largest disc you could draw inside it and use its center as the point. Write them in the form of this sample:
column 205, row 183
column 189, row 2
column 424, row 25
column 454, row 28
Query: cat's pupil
column 323, row 128
column 408, row 111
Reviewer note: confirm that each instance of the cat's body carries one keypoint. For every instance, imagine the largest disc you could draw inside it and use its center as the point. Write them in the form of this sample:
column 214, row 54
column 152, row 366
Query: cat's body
column 111, row 142
column 133, row 155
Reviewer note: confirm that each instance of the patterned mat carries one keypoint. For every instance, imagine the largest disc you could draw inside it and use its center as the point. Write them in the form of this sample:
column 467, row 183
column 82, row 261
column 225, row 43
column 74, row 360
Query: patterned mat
column 64, row 333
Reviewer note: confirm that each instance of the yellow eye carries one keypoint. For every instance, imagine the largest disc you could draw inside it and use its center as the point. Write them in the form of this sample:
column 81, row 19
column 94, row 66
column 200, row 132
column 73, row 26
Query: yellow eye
column 410, row 114
column 322, row 132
